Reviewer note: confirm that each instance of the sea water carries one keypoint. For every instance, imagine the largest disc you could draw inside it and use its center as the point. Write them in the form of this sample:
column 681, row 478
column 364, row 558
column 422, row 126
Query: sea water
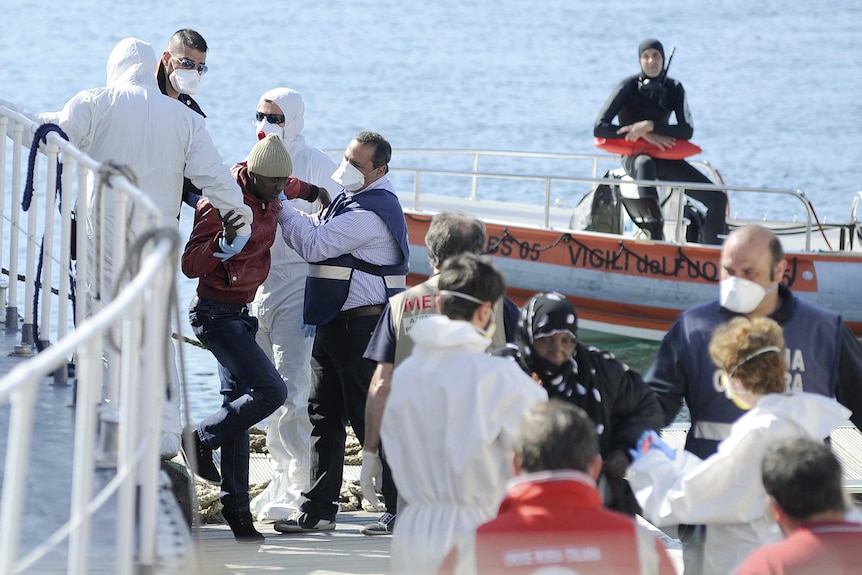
column 774, row 86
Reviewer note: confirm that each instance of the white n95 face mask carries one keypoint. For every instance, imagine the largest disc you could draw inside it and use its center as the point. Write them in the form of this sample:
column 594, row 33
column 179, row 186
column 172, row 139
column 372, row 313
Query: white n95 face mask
column 264, row 129
column 348, row 177
column 740, row 295
column 186, row 81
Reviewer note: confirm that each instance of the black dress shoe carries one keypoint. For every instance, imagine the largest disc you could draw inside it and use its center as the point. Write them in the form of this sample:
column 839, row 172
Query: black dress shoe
column 242, row 525
column 206, row 469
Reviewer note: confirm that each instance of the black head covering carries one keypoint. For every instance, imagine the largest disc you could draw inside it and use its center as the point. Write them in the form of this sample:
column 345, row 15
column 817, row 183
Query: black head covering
column 653, row 87
column 543, row 315
column 650, row 43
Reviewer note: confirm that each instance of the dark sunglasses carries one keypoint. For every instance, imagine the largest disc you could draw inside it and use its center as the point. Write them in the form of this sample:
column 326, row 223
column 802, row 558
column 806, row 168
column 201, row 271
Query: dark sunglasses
column 187, row 64
column 271, row 118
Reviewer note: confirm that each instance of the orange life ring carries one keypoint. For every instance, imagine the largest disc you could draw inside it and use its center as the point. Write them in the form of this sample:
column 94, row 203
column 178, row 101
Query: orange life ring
column 681, row 149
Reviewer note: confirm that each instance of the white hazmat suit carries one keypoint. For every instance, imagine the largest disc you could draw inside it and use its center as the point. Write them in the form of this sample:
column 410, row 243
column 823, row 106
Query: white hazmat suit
column 132, row 123
column 282, row 334
column 724, row 491
column 448, row 430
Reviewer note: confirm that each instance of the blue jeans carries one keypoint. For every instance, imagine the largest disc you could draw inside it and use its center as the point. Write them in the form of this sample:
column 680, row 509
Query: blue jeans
column 251, row 386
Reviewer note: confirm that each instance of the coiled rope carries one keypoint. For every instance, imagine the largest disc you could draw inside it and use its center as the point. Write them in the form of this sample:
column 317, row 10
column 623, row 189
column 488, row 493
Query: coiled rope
column 26, row 200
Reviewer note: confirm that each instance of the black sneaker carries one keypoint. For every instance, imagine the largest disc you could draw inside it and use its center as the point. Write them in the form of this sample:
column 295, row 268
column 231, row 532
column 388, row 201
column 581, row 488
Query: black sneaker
column 383, row 526
column 242, row 525
column 206, row 469
column 301, row 522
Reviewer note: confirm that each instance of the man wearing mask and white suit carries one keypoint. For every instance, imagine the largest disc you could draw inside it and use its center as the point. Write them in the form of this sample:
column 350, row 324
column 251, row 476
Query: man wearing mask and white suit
column 278, row 304
column 823, row 355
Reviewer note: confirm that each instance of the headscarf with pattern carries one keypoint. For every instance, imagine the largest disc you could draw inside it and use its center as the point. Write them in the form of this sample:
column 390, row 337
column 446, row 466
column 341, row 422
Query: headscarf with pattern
column 547, row 314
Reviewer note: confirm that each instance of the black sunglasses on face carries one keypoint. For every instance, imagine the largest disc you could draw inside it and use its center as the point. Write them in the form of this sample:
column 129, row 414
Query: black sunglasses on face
column 271, row 118
column 187, row 64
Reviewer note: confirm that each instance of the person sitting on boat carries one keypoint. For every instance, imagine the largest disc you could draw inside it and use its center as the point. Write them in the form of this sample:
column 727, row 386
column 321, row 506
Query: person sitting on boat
column 643, row 104
column 451, row 418
column 251, row 386
column 825, row 356
column 614, row 396
column 552, row 515
column 724, row 491
column 803, row 480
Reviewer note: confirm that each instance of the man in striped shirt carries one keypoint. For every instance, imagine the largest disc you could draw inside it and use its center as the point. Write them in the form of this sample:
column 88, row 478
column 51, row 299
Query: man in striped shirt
column 358, row 253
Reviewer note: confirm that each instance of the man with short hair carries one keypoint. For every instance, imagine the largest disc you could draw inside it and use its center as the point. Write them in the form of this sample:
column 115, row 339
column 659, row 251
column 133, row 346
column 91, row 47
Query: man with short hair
column 552, row 515
column 451, row 418
column 358, row 253
column 181, row 67
column 824, row 355
column 803, row 480
column 450, row 234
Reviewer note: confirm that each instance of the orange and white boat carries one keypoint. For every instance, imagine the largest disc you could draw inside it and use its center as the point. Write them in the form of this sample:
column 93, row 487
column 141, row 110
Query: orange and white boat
column 539, row 216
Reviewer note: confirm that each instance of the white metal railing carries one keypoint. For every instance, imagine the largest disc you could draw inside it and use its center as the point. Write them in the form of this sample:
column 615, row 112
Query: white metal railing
column 124, row 283
column 464, row 170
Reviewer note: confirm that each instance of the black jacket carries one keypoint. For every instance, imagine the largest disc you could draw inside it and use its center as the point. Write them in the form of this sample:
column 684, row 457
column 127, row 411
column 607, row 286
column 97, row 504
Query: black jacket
column 630, row 105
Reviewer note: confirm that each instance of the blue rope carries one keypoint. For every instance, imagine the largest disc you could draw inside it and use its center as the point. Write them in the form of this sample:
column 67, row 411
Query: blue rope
column 42, row 134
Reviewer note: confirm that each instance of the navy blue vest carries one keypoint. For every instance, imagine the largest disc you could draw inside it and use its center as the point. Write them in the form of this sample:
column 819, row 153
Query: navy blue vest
column 328, row 282
column 812, row 338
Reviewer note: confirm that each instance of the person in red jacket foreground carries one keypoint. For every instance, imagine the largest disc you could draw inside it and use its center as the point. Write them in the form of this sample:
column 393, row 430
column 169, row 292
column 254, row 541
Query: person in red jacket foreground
column 229, row 271
column 552, row 515
column 802, row 478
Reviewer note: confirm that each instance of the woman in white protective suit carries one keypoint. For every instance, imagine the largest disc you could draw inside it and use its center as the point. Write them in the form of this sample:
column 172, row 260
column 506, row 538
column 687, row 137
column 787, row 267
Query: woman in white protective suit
column 451, row 418
column 278, row 307
column 724, row 492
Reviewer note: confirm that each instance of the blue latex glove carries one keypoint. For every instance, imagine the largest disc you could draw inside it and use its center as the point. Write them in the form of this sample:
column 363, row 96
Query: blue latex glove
column 649, row 439
column 230, row 250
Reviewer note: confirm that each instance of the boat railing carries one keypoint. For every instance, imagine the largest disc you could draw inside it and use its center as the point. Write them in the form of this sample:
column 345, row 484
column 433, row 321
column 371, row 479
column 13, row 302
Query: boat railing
column 564, row 179
column 118, row 286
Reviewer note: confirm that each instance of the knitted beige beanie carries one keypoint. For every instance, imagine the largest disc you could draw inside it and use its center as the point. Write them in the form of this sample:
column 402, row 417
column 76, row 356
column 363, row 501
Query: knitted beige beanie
column 269, row 158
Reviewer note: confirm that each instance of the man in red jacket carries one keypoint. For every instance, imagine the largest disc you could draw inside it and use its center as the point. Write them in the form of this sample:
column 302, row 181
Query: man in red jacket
column 552, row 515
column 228, row 277
column 803, row 480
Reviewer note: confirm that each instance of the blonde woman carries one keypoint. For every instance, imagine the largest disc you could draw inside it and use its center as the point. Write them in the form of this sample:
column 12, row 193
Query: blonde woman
column 724, row 492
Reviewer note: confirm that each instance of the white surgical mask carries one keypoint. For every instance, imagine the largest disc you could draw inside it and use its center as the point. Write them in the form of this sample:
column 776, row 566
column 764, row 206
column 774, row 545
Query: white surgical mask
column 740, row 295
column 186, row 81
column 264, row 129
column 491, row 328
column 489, row 331
column 349, row 177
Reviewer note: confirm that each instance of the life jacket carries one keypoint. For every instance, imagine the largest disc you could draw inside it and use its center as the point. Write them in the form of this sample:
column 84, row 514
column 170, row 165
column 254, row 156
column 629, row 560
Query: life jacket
column 419, row 302
column 812, row 339
column 328, row 281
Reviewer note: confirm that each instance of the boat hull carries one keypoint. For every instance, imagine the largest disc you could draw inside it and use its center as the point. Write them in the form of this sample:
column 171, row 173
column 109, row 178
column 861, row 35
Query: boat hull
column 632, row 287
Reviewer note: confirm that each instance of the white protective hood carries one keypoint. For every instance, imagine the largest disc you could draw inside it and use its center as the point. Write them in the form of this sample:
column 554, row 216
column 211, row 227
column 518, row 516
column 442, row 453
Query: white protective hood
column 132, row 62
column 293, row 108
column 438, row 333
